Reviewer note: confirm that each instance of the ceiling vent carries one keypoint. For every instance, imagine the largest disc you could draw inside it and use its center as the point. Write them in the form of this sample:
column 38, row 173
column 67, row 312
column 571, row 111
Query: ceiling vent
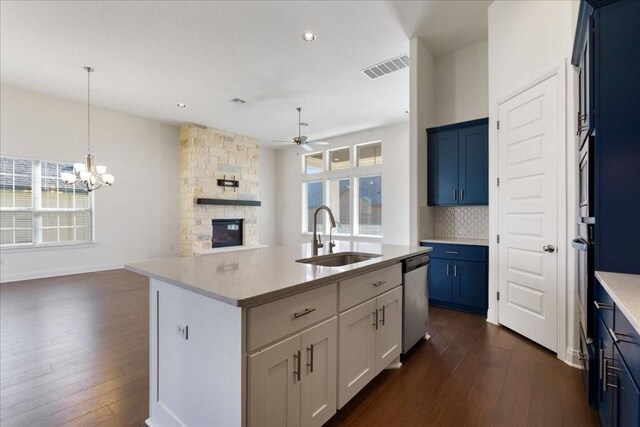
column 387, row 67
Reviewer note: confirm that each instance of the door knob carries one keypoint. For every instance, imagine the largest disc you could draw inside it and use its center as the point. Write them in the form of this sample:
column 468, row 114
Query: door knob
column 549, row 248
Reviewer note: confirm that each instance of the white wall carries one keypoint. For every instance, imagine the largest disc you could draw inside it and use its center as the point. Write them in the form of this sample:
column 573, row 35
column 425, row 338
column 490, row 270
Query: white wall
column 526, row 40
column 423, row 106
column 136, row 219
column 267, row 189
column 395, row 189
column 462, row 85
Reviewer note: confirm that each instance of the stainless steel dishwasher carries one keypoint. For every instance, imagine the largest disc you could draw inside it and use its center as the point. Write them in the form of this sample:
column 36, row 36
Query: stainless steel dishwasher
column 415, row 301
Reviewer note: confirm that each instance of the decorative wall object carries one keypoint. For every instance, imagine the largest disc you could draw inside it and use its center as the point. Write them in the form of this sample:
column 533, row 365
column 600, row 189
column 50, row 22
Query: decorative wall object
column 462, row 222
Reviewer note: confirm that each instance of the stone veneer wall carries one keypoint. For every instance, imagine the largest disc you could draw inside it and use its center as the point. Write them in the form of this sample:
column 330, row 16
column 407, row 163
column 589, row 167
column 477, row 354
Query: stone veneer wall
column 462, row 222
column 207, row 154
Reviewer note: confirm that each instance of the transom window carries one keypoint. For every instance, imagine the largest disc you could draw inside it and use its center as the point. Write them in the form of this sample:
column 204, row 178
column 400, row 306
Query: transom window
column 38, row 208
column 349, row 181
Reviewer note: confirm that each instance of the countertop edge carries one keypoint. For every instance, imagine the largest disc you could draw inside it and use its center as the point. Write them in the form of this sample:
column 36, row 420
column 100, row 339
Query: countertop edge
column 455, row 241
column 281, row 293
column 630, row 317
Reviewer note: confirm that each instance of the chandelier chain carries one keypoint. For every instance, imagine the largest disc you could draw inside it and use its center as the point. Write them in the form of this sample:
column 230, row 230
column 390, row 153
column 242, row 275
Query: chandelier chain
column 89, row 109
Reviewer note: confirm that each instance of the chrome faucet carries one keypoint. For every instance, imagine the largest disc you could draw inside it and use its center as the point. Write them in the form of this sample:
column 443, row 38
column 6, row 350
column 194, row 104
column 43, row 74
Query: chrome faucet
column 317, row 241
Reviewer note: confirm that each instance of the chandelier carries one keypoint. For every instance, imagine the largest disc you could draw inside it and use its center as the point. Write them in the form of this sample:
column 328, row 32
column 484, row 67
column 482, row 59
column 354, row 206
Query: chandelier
column 88, row 174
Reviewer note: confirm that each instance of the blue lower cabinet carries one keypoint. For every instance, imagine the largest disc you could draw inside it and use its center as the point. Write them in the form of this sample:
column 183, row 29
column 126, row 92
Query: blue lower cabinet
column 627, row 397
column 440, row 280
column 605, row 390
column 470, row 284
column 458, row 277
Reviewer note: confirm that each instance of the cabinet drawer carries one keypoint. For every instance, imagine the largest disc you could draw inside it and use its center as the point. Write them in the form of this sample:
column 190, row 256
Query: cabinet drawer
column 461, row 252
column 603, row 304
column 268, row 322
column 361, row 288
column 629, row 343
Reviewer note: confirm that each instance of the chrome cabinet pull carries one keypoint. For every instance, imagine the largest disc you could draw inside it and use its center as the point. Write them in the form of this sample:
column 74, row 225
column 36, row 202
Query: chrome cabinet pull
column 603, row 306
column 455, row 194
column 455, row 270
column 383, row 315
column 615, row 334
column 451, row 252
column 380, row 283
column 447, row 269
column 303, row 312
column 375, row 322
column 310, row 358
column 462, row 194
column 296, row 363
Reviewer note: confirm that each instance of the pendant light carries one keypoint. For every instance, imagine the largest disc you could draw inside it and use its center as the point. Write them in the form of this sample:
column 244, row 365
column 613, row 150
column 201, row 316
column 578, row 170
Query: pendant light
column 87, row 174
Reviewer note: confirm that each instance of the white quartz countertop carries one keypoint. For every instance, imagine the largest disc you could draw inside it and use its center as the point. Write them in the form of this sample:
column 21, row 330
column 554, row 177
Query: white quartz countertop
column 624, row 289
column 456, row 241
column 253, row 277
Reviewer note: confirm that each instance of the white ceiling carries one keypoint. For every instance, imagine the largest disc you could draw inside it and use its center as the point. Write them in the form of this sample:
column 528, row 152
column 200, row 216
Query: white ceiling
column 149, row 56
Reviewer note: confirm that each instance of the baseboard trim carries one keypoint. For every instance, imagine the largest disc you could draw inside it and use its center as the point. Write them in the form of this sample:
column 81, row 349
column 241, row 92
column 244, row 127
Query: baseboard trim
column 573, row 358
column 7, row 278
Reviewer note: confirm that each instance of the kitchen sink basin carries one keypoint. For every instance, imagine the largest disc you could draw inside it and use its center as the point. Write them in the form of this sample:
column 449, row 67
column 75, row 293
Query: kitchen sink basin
column 338, row 259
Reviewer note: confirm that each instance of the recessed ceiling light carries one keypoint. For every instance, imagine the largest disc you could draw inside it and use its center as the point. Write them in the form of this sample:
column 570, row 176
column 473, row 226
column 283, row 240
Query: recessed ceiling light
column 308, row 37
column 181, row 105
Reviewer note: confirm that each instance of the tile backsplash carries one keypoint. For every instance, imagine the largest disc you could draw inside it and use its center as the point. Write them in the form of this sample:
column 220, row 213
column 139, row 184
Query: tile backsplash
column 462, row 222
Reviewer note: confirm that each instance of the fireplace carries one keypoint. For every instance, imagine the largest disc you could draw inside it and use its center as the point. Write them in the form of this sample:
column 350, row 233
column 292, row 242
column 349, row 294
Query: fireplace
column 226, row 232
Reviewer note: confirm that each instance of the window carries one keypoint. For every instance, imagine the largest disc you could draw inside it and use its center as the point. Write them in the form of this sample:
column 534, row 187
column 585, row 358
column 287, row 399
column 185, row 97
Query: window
column 313, row 163
column 340, row 204
column 314, row 198
column 369, row 154
column 370, row 205
column 354, row 193
column 38, row 208
column 339, row 159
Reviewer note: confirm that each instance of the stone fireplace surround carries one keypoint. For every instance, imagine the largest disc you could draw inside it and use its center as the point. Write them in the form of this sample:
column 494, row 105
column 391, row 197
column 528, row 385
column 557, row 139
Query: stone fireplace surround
column 207, row 154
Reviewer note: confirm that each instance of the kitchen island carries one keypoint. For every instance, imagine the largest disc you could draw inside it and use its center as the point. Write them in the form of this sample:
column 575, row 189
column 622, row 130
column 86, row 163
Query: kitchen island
column 257, row 338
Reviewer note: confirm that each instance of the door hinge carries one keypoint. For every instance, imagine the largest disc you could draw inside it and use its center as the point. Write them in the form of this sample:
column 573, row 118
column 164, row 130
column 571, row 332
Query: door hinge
column 498, row 295
column 498, row 125
column 498, row 238
column 498, row 182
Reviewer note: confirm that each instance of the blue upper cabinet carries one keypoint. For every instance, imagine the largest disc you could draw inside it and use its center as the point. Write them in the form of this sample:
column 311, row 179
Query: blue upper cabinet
column 458, row 164
column 443, row 170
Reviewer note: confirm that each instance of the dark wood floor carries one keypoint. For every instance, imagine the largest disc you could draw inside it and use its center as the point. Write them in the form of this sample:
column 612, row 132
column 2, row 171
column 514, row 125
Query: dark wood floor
column 74, row 351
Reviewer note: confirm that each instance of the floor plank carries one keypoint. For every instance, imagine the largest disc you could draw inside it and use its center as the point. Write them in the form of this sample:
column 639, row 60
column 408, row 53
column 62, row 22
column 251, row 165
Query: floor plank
column 74, row 351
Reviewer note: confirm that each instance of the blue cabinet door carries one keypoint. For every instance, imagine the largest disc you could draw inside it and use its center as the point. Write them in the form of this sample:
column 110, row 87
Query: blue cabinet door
column 627, row 411
column 443, row 168
column 605, row 393
column 473, row 171
column 440, row 280
column 470, row 284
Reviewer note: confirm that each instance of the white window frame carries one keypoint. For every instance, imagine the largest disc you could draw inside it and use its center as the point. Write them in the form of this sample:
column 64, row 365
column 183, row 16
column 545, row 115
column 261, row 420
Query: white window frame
column 38, row 210
column 352, row 173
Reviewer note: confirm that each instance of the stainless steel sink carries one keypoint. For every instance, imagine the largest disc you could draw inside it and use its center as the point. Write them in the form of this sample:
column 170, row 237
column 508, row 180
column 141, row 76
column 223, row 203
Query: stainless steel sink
column 338, row 259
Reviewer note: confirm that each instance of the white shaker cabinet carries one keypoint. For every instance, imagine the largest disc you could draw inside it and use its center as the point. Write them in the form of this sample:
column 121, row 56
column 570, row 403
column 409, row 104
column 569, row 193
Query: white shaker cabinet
column 370, row 339
column 293, row 382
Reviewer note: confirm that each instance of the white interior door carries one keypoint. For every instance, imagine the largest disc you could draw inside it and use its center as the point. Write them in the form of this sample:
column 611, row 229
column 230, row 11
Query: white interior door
column 530, row 138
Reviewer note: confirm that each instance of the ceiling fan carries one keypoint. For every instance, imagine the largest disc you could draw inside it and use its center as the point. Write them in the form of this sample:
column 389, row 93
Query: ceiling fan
column 301, row 140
